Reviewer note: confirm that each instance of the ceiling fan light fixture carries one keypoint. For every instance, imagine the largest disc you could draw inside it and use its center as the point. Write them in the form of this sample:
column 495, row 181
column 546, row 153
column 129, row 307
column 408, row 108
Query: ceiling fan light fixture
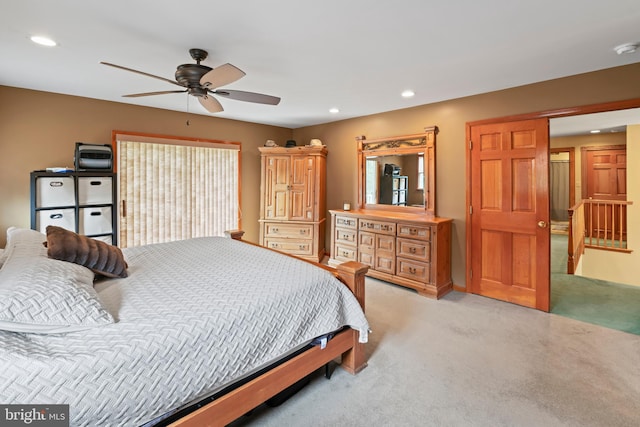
column 626, row 48
column 43, row 41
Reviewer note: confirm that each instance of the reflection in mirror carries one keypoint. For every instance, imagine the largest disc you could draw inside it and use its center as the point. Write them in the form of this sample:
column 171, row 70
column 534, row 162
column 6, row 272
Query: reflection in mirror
column 398, row 173
column 396, row 180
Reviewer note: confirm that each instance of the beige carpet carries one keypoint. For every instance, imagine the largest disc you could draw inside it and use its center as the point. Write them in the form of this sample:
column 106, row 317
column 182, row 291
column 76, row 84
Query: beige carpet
column 466, row 360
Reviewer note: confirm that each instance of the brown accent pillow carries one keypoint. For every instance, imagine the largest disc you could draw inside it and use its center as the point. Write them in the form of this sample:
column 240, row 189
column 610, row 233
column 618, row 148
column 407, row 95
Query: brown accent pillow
column 96, row 255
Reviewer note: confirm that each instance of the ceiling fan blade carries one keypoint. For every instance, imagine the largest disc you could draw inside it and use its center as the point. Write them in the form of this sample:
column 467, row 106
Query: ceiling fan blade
column 135, row 95
column 210, row 103
column 240, row 95
column 220, row 76
column 142, row 72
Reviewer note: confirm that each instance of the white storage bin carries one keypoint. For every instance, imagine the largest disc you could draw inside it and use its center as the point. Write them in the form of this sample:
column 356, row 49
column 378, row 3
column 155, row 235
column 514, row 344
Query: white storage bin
column 65, row 218
column 95, row 190
column 54, row 191
column 95, row 220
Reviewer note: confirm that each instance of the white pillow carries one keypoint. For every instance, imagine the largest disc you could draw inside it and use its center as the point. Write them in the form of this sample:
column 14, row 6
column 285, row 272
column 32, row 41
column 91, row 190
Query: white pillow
column 10, row 232
column 43, row 295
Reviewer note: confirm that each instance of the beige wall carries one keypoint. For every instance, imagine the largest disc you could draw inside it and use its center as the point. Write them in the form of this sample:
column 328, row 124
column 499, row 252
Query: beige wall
column 39, row 129
column 614, row 84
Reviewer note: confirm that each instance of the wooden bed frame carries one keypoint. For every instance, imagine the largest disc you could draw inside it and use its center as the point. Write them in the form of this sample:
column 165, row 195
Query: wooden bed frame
column 238, row 402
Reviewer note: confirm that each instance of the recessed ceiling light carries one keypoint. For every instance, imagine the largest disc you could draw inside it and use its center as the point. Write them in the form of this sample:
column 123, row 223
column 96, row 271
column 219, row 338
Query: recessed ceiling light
column 595, row 131
column 626, row 48
column 44, row 41
column 408, row 94
column 334, row 111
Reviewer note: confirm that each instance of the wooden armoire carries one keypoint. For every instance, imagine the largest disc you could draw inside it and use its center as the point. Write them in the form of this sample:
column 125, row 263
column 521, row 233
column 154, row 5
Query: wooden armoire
column 293, row 200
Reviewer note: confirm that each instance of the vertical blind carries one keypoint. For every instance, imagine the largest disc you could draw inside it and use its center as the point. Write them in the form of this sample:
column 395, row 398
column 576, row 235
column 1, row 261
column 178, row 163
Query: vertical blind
column 174, row 192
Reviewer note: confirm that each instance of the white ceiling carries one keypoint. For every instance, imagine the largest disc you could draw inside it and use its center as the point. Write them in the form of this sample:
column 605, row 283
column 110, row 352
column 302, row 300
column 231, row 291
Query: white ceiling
column 611, row 121
column 356, row 55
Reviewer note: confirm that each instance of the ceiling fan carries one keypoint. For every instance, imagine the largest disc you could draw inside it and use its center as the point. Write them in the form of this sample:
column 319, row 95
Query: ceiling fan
column 202, row 82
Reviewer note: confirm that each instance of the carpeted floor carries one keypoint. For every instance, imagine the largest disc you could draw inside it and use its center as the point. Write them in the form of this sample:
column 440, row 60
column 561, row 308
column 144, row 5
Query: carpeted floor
column 466, row 360
column 608, row 304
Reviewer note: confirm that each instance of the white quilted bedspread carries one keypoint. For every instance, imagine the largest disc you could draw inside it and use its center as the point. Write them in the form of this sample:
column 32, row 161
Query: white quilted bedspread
column 191, row 317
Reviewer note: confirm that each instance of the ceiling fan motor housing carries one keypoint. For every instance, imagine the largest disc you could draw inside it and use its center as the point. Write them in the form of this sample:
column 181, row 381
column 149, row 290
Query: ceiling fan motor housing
column 189, row 75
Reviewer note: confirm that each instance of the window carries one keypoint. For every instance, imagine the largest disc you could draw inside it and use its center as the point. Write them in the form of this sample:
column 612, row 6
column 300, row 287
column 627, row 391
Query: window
column 420, row 184
column 371, row 178
column 172, row 189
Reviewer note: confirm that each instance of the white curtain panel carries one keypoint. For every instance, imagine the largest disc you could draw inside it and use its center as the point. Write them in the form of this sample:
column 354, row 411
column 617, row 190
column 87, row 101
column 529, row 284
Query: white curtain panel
column 559, row 176
column 175, row 192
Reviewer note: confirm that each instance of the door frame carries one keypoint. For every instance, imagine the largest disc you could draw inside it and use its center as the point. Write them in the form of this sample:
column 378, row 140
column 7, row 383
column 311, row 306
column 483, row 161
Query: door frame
column 549, row 114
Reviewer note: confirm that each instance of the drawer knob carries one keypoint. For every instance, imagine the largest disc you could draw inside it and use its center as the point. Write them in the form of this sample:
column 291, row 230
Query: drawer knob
column 412, row 270
column 303, row 231
column 302, row 247
column 274, row 245
column 412, row 250
column 413, row 231
column 274, row 230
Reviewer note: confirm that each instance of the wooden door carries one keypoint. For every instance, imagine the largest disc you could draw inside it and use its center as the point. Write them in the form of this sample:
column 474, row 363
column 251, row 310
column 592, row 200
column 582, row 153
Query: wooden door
column 302, row 188
column 508, row 243
column 276, row 192
column 605, row 175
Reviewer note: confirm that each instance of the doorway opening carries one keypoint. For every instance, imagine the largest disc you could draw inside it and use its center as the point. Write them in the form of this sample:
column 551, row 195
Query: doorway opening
column 600, row 300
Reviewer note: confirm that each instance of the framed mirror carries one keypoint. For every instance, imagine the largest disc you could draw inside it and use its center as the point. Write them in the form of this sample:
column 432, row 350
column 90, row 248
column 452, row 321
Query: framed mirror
column 398, row 173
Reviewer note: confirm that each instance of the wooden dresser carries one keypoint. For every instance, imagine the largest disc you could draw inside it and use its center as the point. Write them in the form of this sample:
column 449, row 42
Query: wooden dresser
column 292, row 200
column 406, row 248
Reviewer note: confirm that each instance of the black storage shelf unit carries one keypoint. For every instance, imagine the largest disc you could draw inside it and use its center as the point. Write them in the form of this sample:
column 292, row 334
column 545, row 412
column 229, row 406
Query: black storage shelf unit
column 83, row 202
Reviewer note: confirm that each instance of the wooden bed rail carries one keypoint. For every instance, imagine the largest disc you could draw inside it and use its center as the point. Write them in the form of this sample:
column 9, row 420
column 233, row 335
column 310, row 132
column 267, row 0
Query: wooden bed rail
column 236, row 403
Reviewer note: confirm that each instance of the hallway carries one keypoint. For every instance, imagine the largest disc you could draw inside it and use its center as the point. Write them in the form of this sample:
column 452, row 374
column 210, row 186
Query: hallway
column 608, row 304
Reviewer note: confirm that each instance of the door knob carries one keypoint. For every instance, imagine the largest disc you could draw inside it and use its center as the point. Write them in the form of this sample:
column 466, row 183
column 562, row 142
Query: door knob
column 542, row 224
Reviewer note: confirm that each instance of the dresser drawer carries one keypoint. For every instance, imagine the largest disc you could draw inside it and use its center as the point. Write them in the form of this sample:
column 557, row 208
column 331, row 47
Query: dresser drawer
column 414, row 249
column 344, row 252
column 414, row 270
column 366, row 257
column 366, row 240
column 290, row 246
column 346, row 236
column 382, row 227
column 288, row 230
column 386, row 244
column 346, row 222
column 384, row 262
column 414, row 231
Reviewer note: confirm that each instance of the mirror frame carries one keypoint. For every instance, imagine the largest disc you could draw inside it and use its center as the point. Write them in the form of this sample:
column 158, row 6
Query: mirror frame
column 397, row 145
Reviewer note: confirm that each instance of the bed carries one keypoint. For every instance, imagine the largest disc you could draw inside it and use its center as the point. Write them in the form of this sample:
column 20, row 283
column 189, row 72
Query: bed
column 204, row 317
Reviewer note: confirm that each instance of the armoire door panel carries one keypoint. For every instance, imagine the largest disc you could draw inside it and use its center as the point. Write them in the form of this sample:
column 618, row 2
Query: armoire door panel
column 301, row 188
column 276, row 188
